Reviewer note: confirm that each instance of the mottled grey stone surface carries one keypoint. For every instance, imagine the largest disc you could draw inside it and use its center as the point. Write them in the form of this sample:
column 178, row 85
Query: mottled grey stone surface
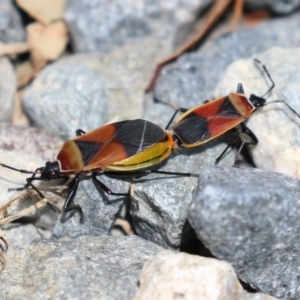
column 192, row 79
column 84, row 268
column 100, row 25
column 276, row 127
column 20, row 235
column 30, row 140
column 8, row 87
column 11, row 28
column 66, row 96
column 250, row 218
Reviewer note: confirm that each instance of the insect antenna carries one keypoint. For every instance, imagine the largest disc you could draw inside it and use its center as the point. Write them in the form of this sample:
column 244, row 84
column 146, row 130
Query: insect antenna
column 284, row 102
column 18, row 170
column 269, row 76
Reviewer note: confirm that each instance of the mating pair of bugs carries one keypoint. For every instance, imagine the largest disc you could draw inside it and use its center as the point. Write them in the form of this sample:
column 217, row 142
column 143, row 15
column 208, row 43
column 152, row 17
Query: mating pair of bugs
column 133, row 146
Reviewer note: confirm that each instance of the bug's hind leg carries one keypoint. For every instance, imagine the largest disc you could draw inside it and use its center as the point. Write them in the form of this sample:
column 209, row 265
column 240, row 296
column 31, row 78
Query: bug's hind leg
column 247, row 133
column 67, row 205
column 108, row 191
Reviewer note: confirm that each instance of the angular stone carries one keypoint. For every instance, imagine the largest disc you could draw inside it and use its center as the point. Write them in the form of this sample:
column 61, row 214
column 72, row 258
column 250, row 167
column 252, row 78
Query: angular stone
column 87, row 267
column 250, row 218
column 170, row 275
column 66, row 96
column 100, row 25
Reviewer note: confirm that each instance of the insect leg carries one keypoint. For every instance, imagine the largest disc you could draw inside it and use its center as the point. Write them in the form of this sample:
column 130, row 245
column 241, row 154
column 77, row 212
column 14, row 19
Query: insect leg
column 107, row 190
column 228, row 146
column 70, row 198
column 247, row 133
column 170, row 173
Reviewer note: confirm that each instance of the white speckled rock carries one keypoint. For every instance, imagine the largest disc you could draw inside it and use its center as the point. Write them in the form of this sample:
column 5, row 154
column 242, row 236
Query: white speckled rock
column 84, row 268
column 170, row 275
column 277, row 129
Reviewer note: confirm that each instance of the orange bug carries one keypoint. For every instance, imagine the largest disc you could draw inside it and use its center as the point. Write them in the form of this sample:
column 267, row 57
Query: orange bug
column 126, row 146
column 205, row 122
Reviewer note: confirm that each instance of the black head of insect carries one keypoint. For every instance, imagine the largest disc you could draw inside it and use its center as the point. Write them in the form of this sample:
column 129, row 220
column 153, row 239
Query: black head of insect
column 50, row 171
column 257, row 101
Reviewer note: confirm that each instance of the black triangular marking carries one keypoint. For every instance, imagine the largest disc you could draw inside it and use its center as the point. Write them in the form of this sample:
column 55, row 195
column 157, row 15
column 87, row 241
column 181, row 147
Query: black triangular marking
column 88, row 150
column 138, row 135
column 192, row 129
column 228, row 110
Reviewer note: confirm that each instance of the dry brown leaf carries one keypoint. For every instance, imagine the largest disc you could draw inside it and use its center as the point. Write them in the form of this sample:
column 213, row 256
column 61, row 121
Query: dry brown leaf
column 11, row 49
column 24, row 73
column 125, row 225
column 44, row 11
column 2, row 258
column 46, row 43
column 19, row 117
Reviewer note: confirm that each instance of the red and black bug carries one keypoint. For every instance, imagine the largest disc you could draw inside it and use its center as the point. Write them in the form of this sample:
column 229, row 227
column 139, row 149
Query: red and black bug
column 205, row 122
column 132, row 147
column 122, row 147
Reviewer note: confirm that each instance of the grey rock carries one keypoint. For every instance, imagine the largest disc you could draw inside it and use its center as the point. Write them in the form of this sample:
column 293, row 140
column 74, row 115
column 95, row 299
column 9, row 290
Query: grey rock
column 29, row 140
column 109, row 88
column 11, row 29
column 276, row 127
column 100, row 25
column 192, row 79
column 66, row 96
column 280, row 7
column 164, row 200
column 84, row 268
column 250, row 218
column 170, row 275
column 8, row 87
column 21, row 235
column 99, row 209
column 124, row 71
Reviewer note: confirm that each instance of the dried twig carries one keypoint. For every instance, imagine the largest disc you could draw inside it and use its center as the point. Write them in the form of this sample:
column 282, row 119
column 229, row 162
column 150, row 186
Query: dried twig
column 215, row 13
column 2, row 258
